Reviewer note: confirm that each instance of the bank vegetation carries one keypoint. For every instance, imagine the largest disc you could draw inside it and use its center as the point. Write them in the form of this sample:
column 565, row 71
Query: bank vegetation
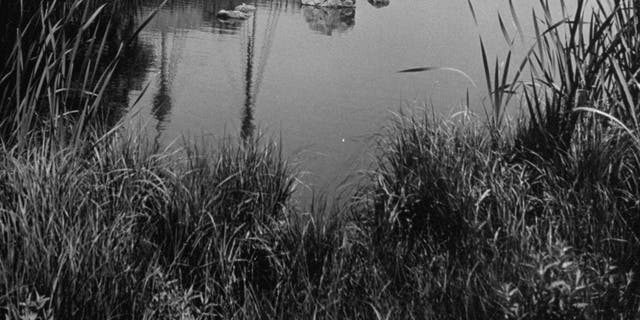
column 537, row 218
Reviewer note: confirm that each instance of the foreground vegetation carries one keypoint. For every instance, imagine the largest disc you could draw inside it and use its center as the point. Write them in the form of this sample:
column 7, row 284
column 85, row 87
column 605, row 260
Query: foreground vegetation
column 533, row 220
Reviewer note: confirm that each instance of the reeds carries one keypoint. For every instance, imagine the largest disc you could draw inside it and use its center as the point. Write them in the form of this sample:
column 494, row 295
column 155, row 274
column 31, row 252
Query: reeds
column 548, row 207
column 61, row 59
column 457, row 220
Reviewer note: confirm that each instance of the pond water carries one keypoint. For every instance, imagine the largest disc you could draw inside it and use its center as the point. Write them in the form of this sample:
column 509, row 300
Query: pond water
column 323, row 81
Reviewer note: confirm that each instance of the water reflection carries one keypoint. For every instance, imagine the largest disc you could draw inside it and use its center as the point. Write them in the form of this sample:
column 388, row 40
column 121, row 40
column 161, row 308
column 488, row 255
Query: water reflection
column 162, row 103
column 379, row 3
column 118, row 22
column 247, row 129
column 254, row 68
column 192, row 15
column 323, row 95
column 135, row 60
column 170, row 30
column 328, row 20
column 221, row 26
column 130, row 75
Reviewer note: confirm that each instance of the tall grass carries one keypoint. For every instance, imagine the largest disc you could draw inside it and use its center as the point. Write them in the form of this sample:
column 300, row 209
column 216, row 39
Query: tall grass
column 455, row 221
column 60, row 59
column 541, row 223
column 535, row 222
column 87, row 234
column 493, row 238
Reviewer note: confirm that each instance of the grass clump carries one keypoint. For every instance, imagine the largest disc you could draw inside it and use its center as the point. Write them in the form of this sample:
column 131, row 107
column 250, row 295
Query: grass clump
column 532, row 220
column 496, row 238
column 94, row 234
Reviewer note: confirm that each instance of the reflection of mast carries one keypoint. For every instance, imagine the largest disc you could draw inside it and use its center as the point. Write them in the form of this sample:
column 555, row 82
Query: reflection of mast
column 251, row 85
column 162, row 100
column 247, row 129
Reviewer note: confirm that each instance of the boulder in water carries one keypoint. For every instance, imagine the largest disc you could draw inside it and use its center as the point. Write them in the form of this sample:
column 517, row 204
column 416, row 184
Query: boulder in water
column 330, row 3
column 232, row 15
column 329, row 20
column 379, row 3
column 245, row 8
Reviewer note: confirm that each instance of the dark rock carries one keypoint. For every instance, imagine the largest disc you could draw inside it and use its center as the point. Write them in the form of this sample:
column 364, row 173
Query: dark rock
column 232, row 15
column 330, row 3
column 329, row 20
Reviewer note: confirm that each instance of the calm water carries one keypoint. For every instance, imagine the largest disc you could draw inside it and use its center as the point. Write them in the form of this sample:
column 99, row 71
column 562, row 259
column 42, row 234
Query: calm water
column 322, row 80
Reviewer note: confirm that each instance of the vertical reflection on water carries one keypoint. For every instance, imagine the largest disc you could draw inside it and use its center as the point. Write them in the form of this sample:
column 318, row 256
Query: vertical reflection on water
column 180, row 17
column 253, row 78
column 246, row 132
column 130, row 75
column 176, row 20
column 162, row 99
column 162, row 102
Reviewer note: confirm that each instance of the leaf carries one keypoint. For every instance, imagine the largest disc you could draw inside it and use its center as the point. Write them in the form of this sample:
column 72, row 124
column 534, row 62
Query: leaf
column 473, row 12
column 580, row 305
column 423, row 69
column 505, row 33
column 487, row 74
column 611, row 118
column 625, row 89
column 93, row 17
column 146, row 22
column 516, row 20
column 559, row 284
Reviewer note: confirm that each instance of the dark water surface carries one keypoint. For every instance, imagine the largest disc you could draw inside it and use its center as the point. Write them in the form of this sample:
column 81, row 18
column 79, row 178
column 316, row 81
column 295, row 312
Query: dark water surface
column 324, row 80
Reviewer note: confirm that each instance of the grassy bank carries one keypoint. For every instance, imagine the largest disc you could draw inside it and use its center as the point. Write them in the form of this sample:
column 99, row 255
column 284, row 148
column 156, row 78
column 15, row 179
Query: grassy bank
column 533, row 219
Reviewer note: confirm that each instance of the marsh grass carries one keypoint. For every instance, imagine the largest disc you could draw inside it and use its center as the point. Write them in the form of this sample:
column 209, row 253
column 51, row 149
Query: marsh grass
column 464, row 220
column 530, row 224
column 490, row 229
column 533, row 220
column 61, row 58
column 87, row 233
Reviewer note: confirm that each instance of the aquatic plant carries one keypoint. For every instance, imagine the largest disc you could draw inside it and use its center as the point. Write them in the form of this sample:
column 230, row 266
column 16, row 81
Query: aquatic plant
column 529, row 220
